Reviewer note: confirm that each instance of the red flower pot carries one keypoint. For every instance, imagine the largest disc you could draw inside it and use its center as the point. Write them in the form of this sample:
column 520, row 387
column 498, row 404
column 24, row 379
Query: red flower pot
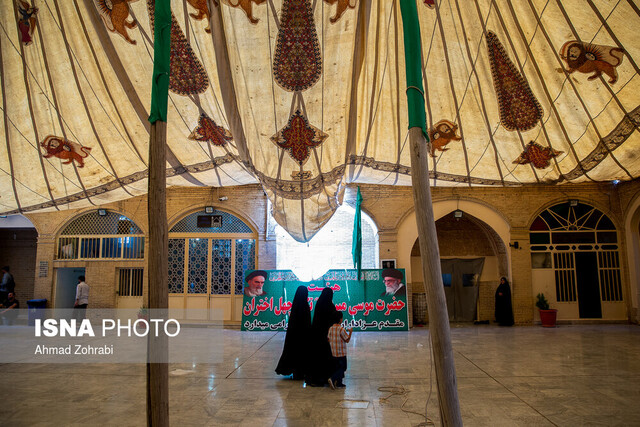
column 548, row 318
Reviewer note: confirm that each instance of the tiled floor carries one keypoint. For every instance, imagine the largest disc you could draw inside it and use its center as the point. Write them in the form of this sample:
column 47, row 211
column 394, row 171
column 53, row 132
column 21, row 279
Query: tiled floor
column 528, row 376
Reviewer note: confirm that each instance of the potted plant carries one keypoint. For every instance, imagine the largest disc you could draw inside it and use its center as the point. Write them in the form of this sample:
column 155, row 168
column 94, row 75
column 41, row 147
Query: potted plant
column 547, row 315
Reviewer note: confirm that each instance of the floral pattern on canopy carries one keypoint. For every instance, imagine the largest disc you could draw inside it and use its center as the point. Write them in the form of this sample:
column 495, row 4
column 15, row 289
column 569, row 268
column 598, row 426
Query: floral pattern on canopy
column 81, row 79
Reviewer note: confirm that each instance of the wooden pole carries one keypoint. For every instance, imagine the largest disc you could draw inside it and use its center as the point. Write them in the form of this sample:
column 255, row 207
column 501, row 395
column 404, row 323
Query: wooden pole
column 157, row 347
column 431, row 271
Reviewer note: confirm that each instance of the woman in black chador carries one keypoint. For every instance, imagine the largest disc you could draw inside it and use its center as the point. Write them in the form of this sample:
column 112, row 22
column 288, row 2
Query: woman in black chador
column 294, row 354
column 320, row 361
column 504, row 310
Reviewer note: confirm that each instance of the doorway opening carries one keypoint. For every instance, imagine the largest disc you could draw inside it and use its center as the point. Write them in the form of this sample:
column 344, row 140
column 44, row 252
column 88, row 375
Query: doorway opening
column 66, row 282
column 473, row 257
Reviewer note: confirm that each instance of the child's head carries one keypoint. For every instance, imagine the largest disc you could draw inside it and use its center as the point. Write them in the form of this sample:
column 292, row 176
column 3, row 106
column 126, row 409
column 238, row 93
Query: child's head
column 337, row 318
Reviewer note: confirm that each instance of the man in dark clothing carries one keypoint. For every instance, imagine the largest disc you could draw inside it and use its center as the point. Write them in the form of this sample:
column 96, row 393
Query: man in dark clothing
column 9, row 308
column 7, row 285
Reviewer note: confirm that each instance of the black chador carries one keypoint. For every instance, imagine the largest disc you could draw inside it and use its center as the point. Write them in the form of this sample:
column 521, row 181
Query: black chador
column 294, row 359
column 321, row 362
column 504, row 309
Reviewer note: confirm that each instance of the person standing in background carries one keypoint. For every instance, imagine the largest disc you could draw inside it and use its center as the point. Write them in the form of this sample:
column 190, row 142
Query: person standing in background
column 504, row 309
column 10, row 306
column 82, row 299
column 7, row 285
column 338, row 338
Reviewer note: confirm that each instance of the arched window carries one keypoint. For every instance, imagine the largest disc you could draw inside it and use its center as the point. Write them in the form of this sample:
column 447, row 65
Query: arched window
column 580, row 244
column 209, row 253
column 101, row 234
column 329, row 249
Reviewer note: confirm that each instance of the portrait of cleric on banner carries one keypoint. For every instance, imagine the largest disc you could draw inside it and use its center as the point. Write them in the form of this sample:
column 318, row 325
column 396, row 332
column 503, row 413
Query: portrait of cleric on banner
column 376, row 302
column 254, row 283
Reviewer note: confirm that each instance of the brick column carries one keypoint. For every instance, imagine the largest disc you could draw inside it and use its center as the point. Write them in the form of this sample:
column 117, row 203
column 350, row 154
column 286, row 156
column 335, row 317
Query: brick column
column 521, row 285
column 266, row 252
column 43, row 286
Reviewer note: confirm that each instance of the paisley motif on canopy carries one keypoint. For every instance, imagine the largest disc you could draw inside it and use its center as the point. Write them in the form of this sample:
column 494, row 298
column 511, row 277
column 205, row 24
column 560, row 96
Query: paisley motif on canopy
column 187, row 74
column 537, row 155
column 298, row 138
column 518, row 93
column 519, row 108
column 297, row 63
column 207, row 130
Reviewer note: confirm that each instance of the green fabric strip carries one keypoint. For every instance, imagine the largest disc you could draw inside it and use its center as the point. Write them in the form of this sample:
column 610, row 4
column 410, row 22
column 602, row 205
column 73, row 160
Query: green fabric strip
column 413, row 65
column 356, row 244
column 161, row 61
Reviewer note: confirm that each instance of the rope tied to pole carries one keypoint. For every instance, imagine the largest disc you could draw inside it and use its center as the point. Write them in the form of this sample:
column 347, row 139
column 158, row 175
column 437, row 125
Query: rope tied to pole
column 416, row 88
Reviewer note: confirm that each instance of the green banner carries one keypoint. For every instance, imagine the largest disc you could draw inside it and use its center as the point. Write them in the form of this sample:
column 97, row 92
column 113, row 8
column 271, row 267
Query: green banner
column 373, row 303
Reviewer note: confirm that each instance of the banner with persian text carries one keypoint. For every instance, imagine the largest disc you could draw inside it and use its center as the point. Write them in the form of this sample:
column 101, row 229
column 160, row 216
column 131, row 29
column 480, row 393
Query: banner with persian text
column 373, row 303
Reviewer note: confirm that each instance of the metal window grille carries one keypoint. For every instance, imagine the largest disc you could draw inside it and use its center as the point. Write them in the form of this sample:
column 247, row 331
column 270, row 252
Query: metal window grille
column 91, row 236
column 68, row 248
column 609, row 268
column 92, row 223
column 130, row 282
column 564, row 230
column 221, row 266
column 245, row 260
column 565, row 276
column 101, row 247
column 230, row 224
column 133, row 247
column 176, row 266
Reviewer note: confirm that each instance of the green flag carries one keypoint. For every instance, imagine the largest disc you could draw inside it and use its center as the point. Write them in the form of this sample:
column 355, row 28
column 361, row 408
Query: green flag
column 413, row 65
column 161, row 60
column 356, row 248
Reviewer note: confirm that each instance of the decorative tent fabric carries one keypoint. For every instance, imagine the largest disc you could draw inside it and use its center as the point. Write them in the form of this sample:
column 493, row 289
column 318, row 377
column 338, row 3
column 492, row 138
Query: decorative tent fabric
column 305, row 97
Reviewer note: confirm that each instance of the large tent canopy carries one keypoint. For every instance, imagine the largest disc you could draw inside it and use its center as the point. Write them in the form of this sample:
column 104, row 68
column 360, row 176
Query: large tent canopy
column 306, row 96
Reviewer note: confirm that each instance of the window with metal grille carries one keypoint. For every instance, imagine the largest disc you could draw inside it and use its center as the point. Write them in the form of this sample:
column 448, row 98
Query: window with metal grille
column 568, row 228
column 202, row 262
column 224, row 223
column 130, row 282
column 609, row 267
column 565, row 276
column 93, row 236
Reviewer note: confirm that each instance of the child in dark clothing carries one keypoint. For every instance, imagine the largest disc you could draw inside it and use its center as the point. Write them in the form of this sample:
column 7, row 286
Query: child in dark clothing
column 338, row 337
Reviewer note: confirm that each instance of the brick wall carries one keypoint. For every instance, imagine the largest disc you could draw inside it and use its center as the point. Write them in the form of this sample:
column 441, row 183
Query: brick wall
column 247, row 202
column 388, row 206
column 18, row 251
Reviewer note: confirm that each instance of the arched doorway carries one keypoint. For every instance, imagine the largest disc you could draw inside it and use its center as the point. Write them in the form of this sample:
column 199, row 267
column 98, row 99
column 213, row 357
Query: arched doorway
column 472, row 257
column 18, row 249
column 209, row 252
column 575, row 262
column 632, row 234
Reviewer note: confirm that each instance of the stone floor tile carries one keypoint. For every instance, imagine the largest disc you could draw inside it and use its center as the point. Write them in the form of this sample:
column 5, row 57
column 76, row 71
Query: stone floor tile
column 583, row 375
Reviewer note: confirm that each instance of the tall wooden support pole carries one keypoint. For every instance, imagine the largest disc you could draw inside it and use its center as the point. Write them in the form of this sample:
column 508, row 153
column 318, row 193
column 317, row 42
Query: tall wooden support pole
column 431, row 271
column 157, row 347
column 158, row 254
column 436, row 302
